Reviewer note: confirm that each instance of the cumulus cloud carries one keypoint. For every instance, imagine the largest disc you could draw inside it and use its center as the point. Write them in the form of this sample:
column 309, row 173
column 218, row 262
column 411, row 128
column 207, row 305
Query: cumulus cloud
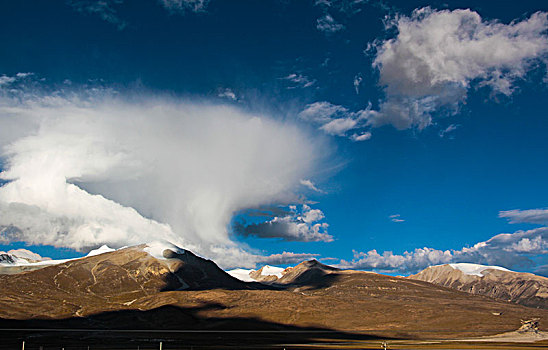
column 328, row 24
column 530, row 216
column 298, row 225
column 437, row 56
column 85, row 170
column 511, row 250
column 338, row 120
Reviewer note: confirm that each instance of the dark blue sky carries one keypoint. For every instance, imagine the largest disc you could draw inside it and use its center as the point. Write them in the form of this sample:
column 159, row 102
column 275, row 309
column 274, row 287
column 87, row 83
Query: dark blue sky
column 448, row 190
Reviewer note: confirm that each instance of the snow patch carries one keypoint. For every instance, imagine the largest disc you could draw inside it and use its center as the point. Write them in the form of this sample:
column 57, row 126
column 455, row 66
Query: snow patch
column 101, row 250
column 241, row 274
column 156, row 249
column 475, row 269
column 52, row 262
column 268, row 270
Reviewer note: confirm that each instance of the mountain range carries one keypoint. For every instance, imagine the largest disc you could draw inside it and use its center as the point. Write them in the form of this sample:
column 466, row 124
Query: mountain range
column 160, row 286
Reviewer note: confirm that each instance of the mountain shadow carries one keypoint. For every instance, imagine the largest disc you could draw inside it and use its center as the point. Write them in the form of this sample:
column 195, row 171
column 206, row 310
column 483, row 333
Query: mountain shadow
column 176, row 327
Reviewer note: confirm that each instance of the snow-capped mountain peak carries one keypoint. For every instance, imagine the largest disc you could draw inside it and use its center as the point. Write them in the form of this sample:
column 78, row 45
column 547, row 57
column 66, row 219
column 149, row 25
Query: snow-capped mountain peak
column 102, row 249
column 157, row 248
column 475, row 269
column 268, row 270
column 241, row 274
column 20, row 256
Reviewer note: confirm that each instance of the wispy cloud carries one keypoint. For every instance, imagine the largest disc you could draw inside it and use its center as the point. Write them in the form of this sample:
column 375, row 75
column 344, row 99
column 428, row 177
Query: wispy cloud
column 227, row 93
column 338, row 120
column 357, row 81
column 310, row 185
column 530, row 216
column 298, row 81
column 396, row 218
column 448, row 130
column 328, row 24
column 185, row 5
column 105, row 9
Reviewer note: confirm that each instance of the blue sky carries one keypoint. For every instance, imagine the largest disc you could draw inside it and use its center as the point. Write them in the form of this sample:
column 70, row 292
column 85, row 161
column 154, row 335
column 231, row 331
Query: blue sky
column 436, row 177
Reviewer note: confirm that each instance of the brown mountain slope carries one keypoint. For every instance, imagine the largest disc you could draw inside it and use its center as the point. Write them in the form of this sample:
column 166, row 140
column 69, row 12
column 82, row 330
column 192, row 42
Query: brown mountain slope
column 314, row 295
column 311, row 273
column 521, row 288
column 107, row 281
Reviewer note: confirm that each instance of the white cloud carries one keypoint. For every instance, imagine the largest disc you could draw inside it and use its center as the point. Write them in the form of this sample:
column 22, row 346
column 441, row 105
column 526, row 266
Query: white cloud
column 228, row 93
column 84, row 171
column 6, row 80
column 338, row 120
column 299, row 81
column 322, row 112
column 363, row 136
column 339, row 126
column 185, row 5
column 309, row 184
column 510, row 250
column 531, row 216
column 328, row 24
column 302, row 226
column 396, row 218
column 357, row 81
column 345, row 7
column 448, row 130
column 437, row 56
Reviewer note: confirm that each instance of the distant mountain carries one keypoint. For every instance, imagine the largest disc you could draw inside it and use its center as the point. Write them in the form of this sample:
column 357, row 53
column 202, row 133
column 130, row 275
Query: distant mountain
column 266, row 274
column 19, row 260
column 311, row 272
column 493, row 281
column 305, row 272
